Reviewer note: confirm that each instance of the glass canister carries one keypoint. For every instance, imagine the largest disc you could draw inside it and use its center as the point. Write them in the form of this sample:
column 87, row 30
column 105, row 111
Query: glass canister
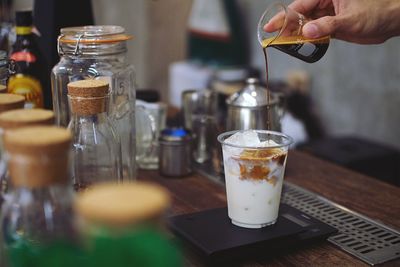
column 99, row 52
column 6, row 68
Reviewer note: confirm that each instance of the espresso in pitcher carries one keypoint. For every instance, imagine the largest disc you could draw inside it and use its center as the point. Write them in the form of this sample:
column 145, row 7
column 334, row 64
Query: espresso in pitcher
column 308, row 50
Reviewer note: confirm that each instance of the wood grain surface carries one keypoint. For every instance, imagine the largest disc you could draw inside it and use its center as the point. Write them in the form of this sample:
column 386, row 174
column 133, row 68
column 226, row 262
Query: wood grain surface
column 368, row 196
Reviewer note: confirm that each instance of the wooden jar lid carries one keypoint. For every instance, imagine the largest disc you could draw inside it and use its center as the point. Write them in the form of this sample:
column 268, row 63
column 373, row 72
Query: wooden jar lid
column 11, row 101
column 3, row 89
column 88, row 88
column 26, row 117
column 38, row 155
column 117, row 205
column 88, row 97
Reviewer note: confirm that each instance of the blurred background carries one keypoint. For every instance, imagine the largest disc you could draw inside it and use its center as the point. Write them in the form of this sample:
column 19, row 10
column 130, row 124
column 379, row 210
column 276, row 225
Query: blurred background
column 356, row 88
column 353, row 91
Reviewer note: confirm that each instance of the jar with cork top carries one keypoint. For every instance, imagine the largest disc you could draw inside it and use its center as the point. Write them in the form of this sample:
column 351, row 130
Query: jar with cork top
column 36, row 219
column 96, row 145
column 121, row 225
column 18, row 118
column 99, row 52
column 11, row 101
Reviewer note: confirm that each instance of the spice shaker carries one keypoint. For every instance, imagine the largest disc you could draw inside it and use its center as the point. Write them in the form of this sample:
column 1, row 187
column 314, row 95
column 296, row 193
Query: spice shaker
column 175, row 152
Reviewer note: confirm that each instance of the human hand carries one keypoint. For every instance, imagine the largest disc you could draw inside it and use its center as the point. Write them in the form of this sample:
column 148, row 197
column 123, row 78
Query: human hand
column 358, row 21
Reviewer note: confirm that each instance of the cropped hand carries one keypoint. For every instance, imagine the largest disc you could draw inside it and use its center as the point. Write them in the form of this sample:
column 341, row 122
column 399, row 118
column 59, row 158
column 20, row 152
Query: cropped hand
column 358, row 21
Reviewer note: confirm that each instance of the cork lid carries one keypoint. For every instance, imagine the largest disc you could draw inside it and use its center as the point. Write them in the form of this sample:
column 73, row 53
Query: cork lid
column 122, row 204
column 11, row 101
column 88, row 88
column 38, row 155
column 37, row 139
column 26, row 117
column 3, row 89
column 88, row 97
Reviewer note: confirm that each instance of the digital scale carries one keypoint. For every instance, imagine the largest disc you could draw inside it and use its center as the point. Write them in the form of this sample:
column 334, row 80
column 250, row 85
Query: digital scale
column 215, row 238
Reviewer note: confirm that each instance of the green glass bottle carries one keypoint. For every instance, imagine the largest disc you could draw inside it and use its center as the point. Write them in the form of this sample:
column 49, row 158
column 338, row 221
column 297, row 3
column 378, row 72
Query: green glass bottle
column 120, row 226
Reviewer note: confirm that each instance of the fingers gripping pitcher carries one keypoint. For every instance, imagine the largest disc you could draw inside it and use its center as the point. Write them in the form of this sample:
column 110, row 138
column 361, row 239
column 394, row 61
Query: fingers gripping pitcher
column 99, row 52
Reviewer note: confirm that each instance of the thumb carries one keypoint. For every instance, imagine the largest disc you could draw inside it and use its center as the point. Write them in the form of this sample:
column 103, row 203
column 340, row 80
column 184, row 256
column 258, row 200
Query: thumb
column 320, row 27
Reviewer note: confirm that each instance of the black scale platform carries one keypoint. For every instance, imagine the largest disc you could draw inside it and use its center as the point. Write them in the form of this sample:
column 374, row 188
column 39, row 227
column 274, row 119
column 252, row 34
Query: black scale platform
column 214, row 237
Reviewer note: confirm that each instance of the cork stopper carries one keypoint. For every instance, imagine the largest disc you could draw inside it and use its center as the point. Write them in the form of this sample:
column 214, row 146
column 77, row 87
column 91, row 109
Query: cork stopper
column 11, row 101
column 119, row 205
column 3, row 89
column 88, row 97
column 38, row 155
column 26, row 117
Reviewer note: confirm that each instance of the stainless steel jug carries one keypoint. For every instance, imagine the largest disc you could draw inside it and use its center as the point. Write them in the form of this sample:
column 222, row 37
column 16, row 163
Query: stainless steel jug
column 248, row 108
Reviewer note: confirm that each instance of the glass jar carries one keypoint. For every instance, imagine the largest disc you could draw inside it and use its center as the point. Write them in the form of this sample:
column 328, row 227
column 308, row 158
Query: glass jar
column 6, row 68
column 18, row 118
column 98, row 52
column 36, row 220
column 96, row 146
column 121, row 225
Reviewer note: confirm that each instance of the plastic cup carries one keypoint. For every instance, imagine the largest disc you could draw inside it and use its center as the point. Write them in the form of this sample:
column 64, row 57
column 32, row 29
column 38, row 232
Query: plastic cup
column 254, row 176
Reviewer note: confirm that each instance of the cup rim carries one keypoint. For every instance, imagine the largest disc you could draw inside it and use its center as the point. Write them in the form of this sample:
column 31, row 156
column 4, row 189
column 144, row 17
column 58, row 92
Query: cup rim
column 287, row 140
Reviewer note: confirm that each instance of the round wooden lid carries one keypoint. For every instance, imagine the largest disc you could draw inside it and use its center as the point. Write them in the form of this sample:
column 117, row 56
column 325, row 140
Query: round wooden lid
column 11, row 101
column 88, row 88
column 38, row 155
column 3, row 89
column 37, row 139
column 25, row 117
column 125, row 204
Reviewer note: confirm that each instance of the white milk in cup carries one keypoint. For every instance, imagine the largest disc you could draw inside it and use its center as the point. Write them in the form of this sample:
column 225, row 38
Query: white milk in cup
column 254, row 166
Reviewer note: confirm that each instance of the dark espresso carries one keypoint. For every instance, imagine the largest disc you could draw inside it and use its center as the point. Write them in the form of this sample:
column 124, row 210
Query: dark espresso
column 308, row 50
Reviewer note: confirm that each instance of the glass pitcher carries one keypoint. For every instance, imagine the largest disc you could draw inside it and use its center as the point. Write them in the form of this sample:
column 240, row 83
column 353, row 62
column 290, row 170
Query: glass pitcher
column 99, row 52
column 281, row 27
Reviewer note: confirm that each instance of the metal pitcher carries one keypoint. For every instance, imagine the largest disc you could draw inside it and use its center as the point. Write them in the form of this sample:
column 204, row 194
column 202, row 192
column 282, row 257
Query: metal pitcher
column 248, row 108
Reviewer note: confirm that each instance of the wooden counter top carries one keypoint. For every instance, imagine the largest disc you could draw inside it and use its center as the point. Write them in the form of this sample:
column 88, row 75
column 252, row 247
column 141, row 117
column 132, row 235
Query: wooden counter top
column 368, row 196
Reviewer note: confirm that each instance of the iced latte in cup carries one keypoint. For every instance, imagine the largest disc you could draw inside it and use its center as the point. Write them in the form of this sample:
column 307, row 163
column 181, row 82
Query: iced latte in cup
column 254, row 165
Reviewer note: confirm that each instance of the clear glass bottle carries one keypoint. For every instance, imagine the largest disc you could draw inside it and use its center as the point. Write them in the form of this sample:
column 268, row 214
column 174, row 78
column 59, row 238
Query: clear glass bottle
column 18, row 118
column 99, row 52
column 96, row 145
column 122, row 226
column 36, row 218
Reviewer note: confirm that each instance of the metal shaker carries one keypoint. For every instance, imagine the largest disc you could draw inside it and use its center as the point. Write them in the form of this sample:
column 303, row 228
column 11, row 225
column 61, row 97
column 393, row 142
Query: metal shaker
column 248, row 108
column 175, row 152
